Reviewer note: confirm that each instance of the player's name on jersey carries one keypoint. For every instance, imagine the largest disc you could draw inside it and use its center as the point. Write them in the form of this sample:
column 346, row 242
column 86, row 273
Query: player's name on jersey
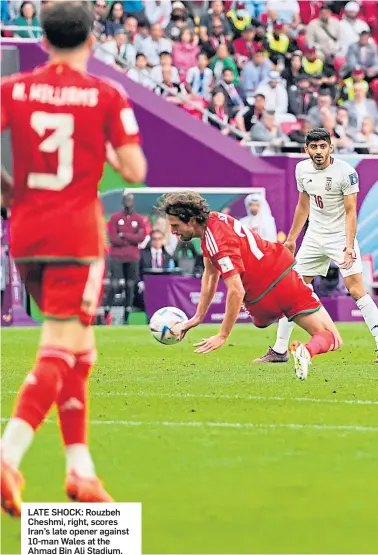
column 56, row 96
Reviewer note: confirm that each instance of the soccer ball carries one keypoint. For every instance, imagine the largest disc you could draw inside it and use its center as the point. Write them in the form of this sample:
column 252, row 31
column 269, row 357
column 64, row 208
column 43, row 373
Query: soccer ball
column 165, row 324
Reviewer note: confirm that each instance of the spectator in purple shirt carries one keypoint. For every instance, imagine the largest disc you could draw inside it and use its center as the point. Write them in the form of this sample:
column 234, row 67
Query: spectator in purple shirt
column 126, row 231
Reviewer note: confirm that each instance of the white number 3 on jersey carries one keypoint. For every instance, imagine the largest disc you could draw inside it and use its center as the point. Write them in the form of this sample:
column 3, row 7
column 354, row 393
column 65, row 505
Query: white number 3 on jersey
column 59, row 141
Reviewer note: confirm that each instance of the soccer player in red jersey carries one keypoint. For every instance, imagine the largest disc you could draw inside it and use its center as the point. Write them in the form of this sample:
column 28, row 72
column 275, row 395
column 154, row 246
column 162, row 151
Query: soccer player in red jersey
column 259, row 276
column 62, row 121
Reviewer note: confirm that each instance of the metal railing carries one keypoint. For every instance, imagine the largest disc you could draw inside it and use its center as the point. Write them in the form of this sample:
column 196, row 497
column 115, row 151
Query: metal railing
column 15, row 28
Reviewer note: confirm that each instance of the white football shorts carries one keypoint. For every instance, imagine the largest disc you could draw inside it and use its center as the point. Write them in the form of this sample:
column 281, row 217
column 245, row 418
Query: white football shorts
column 317, row 251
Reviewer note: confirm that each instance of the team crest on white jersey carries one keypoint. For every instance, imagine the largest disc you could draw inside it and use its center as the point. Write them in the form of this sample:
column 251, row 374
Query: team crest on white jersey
column 328, row 184
column 353, row 178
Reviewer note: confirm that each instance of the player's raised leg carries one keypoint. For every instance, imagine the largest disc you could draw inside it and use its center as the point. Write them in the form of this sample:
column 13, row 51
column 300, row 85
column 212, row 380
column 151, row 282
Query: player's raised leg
column 324, row 338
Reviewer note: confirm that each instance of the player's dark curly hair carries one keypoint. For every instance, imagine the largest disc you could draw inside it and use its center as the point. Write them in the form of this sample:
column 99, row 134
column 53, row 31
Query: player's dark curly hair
column 318, row 134
column 185, row 205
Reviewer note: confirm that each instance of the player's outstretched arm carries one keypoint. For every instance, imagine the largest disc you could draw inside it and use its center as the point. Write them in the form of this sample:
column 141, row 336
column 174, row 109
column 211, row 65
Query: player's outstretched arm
column 235, row 296
column 234, row 301
column 300, row 216
column 209, row 286
column 6, row 188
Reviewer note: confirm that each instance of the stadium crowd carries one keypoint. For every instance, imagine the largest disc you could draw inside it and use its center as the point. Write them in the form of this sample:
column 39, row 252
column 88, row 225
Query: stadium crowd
column 271, row 68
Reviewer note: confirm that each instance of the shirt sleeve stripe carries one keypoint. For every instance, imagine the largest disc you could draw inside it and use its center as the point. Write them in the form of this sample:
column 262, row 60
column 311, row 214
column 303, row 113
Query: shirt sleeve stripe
column 209, row 246
column 212, row 240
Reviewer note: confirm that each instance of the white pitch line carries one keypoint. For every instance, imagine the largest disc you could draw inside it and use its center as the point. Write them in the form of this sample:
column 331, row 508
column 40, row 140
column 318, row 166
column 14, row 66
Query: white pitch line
column 227, row 397
column 234, row 425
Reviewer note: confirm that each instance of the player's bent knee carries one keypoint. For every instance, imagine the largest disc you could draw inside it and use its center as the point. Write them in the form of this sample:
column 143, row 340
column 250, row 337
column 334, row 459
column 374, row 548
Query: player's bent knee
column 130, row 283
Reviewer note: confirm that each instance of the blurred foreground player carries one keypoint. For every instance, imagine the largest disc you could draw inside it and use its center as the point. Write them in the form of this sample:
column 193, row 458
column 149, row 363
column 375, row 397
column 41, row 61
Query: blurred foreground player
column 256, row 272
column 61, row 120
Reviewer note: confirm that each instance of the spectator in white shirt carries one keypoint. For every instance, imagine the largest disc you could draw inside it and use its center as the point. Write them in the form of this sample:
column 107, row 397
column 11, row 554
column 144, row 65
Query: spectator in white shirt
column 125, row 50
column 158, row 11
column 119, row 47
column 324, row 104
column 361, row 107
column 255, row 72
column 367, row 135
column 324, row 33
column 259, row 217
column 284, row 11
column 143, row 32
column 165, row 62
column 154, row 45
column 140, row 73
column 199, row 79
column 266, row 130
column 276, row 98
column 351, row 26
column 363, row 54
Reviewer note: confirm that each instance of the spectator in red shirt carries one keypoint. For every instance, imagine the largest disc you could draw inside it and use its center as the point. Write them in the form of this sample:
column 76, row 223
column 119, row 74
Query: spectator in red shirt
column 245, row 46
column 185, row 52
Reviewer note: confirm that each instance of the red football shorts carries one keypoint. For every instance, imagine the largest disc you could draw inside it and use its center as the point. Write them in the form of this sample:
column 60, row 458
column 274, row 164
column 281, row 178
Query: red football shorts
column 64, row 291
column 289, row 297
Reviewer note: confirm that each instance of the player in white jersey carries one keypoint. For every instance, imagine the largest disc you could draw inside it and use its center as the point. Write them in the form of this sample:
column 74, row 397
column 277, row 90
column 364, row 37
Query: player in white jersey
column 328, row 196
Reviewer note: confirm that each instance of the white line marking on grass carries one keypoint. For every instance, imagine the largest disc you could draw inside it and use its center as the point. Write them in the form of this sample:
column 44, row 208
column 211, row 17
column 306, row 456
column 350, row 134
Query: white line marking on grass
column 235, row 397
column 233, row 425
column 227, row 397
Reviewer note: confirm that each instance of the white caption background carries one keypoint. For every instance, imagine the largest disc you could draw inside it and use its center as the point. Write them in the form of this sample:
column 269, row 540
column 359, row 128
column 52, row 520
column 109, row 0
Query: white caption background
column 81, row 528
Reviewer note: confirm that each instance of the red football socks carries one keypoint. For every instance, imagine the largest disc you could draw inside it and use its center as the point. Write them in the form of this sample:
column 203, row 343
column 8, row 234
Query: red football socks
column 73, row 400
column 322, row 343
column 43, row 385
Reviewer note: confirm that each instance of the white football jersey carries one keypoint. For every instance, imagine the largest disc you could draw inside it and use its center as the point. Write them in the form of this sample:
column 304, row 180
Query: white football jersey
column 327, row 189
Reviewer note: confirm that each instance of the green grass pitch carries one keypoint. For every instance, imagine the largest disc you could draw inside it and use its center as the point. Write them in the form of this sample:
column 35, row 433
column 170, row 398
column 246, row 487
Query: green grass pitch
column 226, row 457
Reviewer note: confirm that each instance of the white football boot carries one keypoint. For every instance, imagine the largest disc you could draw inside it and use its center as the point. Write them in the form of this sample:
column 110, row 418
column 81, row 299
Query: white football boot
column 302, row 360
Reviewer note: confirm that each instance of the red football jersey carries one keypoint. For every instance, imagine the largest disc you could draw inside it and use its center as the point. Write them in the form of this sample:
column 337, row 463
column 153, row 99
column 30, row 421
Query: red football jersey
column 235, row 249
column 60, row 121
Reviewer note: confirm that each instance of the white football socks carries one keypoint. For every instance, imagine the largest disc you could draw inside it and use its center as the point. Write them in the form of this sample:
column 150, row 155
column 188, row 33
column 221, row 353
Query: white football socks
column 78, row 458
column 369, row 311
column 283, row 335
column 17, row 438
